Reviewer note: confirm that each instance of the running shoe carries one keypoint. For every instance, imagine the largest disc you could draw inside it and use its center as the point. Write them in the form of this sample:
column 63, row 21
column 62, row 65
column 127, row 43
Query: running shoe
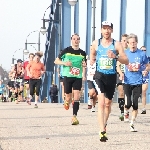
column 74, row 121
column 103, row 137
column 66, row 105
column 89, row 104
column 143, row 111
column 93, row 109
column 121, row 117
column 126, row 117
column 35, row 106
column 132, row 128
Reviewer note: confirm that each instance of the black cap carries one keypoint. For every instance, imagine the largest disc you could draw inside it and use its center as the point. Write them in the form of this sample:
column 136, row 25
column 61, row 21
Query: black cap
column 19, row 60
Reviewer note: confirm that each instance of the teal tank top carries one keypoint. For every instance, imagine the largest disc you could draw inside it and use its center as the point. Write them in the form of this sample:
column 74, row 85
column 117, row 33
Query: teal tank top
column 104, row 64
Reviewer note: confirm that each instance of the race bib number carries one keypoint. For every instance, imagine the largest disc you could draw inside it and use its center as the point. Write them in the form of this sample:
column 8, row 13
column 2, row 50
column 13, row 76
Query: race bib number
column 19, row 80
column 122, row 67
column 75, row 71
column 134, row 67
column 106, row 63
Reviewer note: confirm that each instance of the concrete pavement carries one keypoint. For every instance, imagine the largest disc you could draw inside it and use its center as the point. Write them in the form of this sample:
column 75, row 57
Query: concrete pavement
column 49, row 128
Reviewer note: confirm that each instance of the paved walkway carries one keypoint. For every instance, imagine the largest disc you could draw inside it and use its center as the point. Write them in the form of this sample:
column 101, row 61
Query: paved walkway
column 48, row 128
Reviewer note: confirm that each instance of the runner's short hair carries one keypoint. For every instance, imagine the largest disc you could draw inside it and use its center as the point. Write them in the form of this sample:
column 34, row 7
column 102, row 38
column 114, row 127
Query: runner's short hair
column 31, row 54
column 76, row 35
column 130, row 36
column 40, row 53
column 142, row 47
column 124, row 35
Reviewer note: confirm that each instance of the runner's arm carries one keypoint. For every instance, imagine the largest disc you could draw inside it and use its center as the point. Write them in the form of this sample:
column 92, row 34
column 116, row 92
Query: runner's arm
column 12, row 71
column 43, row 69
column 123, row 59
column 58, row 60
column 28, row 68
column 93, row 53
column 22, row 73
column 84, row 72
column 146, row 62
column 118, row 67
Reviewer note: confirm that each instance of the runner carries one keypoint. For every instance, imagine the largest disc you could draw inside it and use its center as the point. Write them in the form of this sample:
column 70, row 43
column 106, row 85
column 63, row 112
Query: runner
column 17, row 73
column 105, row 51
column 72, row 57
column 11, row 87
column 35, row 70
column 26, row 77
column 2, row 86
column 120, row 71
column 92, row 90
column 144, row 86
column 133, row 77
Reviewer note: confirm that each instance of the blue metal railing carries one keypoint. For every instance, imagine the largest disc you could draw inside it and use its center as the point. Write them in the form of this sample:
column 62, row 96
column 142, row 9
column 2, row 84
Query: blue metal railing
column 47, row 77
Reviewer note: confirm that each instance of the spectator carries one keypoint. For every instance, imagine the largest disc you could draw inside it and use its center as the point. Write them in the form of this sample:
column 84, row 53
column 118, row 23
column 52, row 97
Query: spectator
column 54, row 93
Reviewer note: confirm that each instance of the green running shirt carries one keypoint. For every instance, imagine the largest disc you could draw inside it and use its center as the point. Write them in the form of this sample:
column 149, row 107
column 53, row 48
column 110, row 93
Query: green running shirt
column 75, row 57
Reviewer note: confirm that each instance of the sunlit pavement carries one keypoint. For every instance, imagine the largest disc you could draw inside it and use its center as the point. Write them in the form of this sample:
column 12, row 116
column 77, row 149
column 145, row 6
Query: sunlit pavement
column 49, row 128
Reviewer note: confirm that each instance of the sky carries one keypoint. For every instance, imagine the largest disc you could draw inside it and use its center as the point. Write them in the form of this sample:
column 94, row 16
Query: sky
column 21, row 17
column 18, row 19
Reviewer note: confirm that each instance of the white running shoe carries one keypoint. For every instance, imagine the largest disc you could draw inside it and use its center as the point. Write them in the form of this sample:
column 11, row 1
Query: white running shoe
column 89, row 104
column 132, row 128
column 93, row 109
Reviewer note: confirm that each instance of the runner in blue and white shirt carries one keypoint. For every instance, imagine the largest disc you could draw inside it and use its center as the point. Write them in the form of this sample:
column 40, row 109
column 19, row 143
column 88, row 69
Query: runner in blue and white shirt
column 92, row 90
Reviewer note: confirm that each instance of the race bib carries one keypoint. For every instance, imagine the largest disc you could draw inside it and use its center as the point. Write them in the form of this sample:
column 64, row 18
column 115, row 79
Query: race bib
column 106, row 63
column 19, row 80
column 134, row 67
column 122, row 67
column 74, row 71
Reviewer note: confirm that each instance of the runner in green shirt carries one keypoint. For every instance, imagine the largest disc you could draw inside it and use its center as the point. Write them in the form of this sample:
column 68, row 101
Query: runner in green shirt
column 74, row 62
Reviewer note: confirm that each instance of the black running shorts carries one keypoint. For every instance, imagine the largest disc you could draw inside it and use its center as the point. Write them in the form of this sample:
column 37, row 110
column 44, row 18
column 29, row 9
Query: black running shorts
column 91, row 86
column 105, row 83
column 61, row 79
column 119, row 82
column 72, row 82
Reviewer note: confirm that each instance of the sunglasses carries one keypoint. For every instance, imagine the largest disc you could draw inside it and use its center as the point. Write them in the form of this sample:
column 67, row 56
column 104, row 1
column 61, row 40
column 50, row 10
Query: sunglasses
column 144, row 50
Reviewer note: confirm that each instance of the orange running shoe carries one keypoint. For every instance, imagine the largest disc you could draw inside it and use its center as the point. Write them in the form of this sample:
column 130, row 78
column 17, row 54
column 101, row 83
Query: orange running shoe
column 66, row 105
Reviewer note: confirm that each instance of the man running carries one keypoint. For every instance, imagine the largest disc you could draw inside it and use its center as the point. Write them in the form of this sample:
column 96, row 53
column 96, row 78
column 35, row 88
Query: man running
column 105, row 51
column 120, row 71
column 144, row 85
column 26, row 77
column 35, row 70
column 72, row 57
column 133, row 77
column 92, row 90
column 17, row 73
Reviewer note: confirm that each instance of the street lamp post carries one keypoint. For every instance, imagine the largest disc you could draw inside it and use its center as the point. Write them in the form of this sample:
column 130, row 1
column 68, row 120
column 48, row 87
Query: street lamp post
column 25, row 52
column 72, row 2
column 94, row 6
column 57, row 42
column 26, row 43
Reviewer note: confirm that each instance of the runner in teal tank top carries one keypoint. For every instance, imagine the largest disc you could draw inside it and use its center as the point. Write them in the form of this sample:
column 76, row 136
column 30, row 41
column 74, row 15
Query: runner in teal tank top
column 106, row 51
